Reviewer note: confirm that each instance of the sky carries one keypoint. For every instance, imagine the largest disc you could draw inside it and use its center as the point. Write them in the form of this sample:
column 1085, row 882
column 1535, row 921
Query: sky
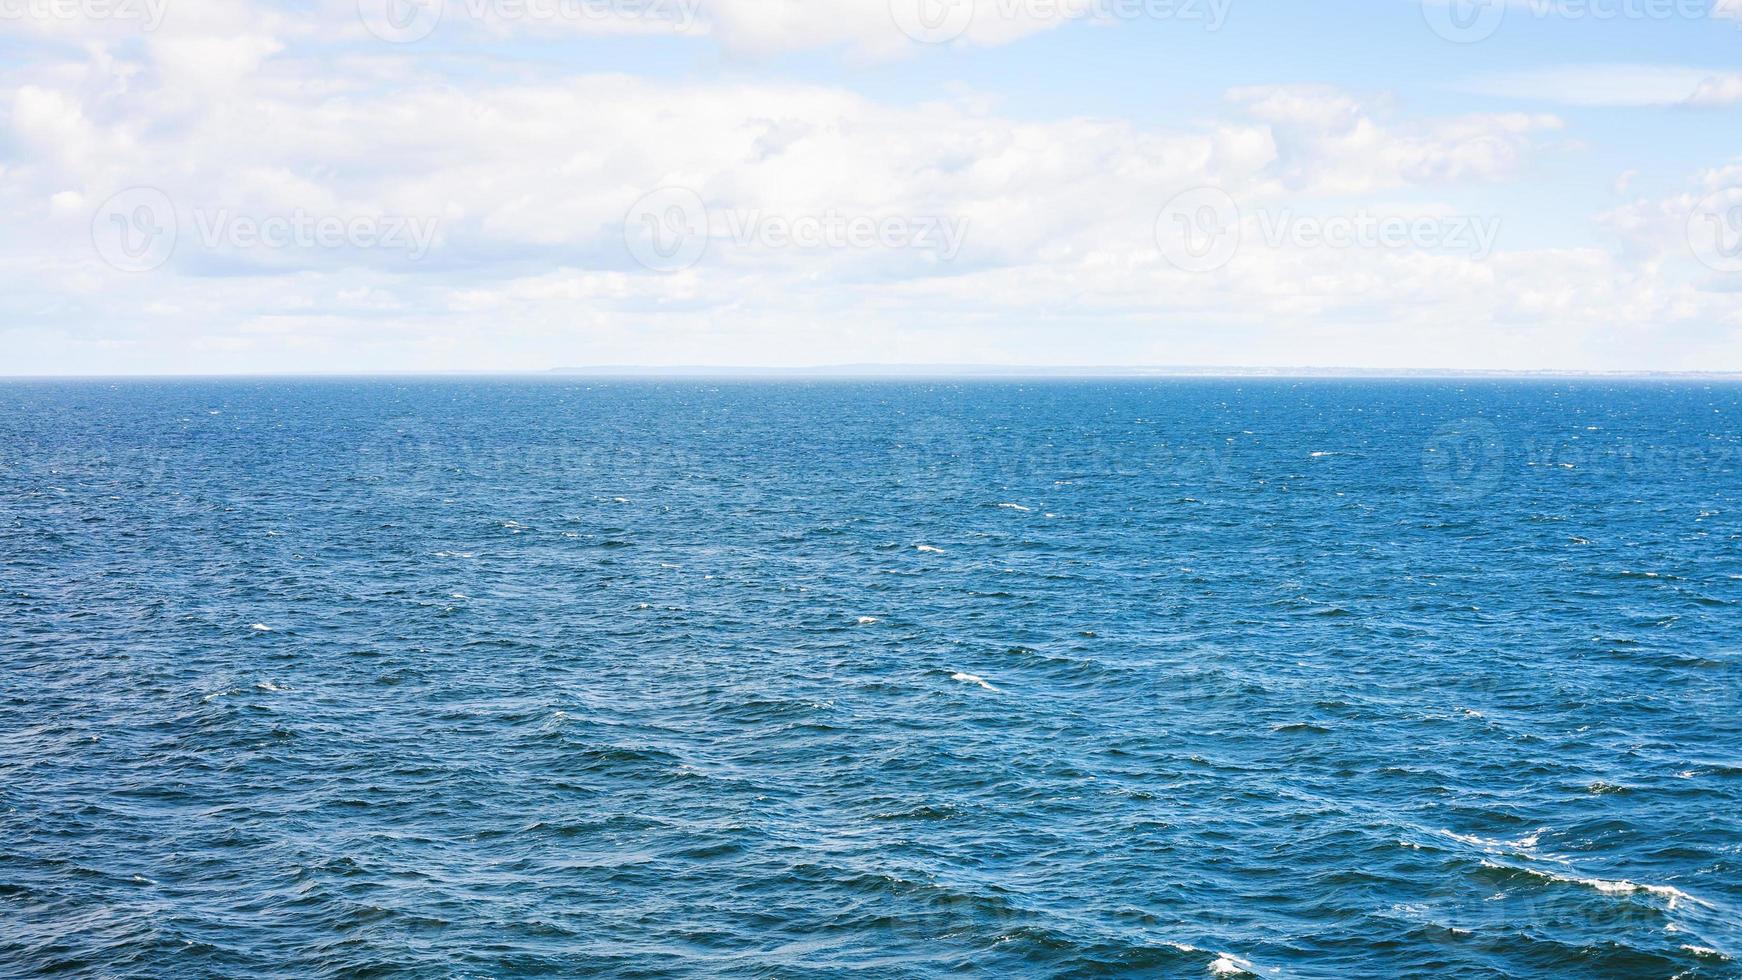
column 363, row 186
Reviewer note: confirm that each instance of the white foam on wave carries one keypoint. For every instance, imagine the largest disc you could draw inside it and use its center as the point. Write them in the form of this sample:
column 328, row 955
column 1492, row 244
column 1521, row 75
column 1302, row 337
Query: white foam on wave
column 1495, row 844
column 1229, row 965
column 260, row 628
column 928, row 548
column 972, row 679
column 1674, row 895
column 1016, row 507
column 867, row 620
column 268, row 686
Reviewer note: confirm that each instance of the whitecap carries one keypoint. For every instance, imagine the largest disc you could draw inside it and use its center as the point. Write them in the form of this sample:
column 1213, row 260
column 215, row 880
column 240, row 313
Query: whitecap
column 268, row 686
column 1016, row 507
column 260, row 628
column 929, row 548
column 1495, row 844
column 972, row 679
column 1227, row 965
column 1609, row 887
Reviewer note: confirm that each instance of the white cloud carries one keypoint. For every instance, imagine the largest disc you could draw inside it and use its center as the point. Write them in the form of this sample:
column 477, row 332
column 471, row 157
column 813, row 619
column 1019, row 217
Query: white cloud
column 530, row 174
column 1329, row 142
column 1618, row 86
column 865, row 28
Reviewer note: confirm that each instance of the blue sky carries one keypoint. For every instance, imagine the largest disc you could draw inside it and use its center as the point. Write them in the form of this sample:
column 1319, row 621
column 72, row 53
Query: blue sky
column 215, row 186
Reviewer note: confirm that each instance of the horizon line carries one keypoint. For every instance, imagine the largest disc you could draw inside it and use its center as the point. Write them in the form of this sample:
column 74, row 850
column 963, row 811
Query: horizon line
column 937, row 372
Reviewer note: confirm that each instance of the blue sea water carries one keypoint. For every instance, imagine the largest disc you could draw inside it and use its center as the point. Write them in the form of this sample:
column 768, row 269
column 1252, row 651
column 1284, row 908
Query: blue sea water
column 734, row 679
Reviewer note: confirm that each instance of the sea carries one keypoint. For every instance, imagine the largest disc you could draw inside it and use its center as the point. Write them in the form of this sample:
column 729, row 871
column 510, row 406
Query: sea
column 571, row 677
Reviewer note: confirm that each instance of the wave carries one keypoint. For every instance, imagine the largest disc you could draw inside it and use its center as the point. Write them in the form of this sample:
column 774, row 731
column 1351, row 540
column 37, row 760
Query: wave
column 972, row 679
column 1673, row 895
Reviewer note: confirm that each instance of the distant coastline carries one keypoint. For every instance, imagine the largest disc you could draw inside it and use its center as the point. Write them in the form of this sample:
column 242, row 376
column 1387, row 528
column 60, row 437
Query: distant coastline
column 1016, row 372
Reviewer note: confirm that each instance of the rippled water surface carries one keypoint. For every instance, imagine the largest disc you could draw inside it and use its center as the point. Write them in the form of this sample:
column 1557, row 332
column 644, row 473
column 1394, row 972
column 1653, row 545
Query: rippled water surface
column 581, row 678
